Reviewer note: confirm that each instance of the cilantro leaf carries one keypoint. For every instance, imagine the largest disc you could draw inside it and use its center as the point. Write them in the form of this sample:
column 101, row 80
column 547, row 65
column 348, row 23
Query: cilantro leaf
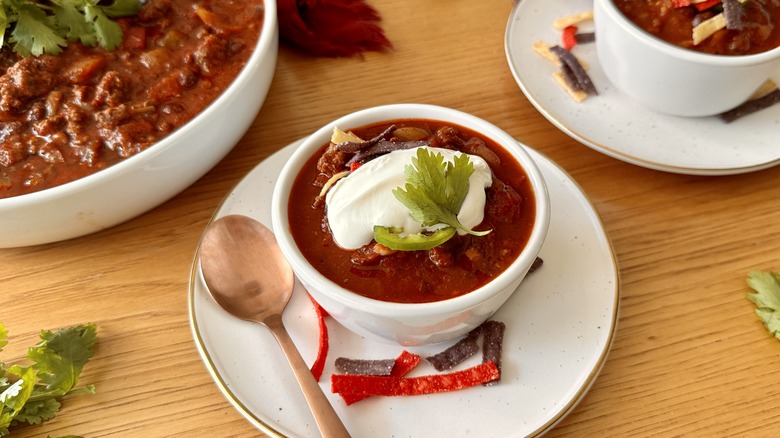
column 30, row 394
column 108, row 33
column 38, row 27
column 435, row 190
column 766, row 298
column 35, row 32
column 61, row 356
column 72, row 25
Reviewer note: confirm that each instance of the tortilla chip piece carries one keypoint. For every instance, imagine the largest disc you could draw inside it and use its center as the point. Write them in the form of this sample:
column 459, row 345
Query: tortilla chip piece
column 765, row 88
column 572, row 20
column 577, row 95
column 543, row 50
column 706, row 28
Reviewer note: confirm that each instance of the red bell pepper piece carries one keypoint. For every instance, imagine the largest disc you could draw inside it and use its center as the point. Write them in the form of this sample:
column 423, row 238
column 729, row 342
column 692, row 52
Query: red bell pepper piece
column 395, row 386
column 703, row 6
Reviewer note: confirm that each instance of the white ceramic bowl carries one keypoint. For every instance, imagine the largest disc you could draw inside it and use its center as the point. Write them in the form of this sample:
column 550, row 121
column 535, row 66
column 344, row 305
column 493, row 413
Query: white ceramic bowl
column 670, row 79
column 149, row 178
column 408, row 324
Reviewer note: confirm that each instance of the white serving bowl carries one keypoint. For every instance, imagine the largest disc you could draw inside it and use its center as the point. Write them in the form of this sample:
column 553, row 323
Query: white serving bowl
column 402, row 323
column 671, row 79
column 149, row 178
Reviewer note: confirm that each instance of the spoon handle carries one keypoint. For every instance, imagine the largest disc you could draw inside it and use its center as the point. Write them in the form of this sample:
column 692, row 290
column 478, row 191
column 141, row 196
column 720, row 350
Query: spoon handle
column 325, row 416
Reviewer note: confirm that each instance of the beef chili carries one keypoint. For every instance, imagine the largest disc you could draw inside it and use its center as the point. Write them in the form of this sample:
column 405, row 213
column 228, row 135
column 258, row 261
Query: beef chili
column 456, row 267
column 66, row 116
column 751, row 26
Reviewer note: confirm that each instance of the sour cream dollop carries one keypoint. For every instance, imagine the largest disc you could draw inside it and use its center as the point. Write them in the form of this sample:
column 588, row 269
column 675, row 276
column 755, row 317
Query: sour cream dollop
column 357, row 203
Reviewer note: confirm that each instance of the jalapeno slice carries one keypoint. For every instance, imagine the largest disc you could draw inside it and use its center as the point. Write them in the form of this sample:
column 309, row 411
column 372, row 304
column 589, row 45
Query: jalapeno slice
column 391, row 238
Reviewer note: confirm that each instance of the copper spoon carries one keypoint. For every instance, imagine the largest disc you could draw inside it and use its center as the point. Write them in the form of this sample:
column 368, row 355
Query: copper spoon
column 249, row 277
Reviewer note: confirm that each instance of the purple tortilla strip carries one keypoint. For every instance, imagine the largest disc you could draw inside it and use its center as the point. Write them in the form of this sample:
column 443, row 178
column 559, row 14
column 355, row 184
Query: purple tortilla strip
column 457, row 353
column 365, row 367
column 491, row 345
column 751, row 106
column 585, row 37
column 568, row 59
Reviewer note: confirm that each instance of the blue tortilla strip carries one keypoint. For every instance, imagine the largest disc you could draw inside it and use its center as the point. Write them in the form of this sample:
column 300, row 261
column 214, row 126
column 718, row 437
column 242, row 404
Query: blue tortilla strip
column 569, row 60
column 457, row 353
column 751, row 106
column 365, row 367
column 492, row 341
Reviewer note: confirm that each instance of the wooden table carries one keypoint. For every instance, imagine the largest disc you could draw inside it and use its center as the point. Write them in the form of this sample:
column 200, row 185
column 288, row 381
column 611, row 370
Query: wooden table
column 690, row 358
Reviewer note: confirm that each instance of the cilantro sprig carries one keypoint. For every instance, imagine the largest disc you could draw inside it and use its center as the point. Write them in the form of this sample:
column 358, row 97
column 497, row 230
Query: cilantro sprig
column 31, row 394
column 32, row 27
column 766, row 298
column 434, row 193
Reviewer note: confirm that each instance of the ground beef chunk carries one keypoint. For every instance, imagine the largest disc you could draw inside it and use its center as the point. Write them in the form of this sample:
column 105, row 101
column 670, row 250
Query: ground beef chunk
column 504, row 204
column 110, row 90
column 447, row 137
column 30, row 78
column 331, row 163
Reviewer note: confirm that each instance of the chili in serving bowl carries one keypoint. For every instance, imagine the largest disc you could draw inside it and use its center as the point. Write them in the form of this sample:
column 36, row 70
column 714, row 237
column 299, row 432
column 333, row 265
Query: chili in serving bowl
column 119, row 132
column 408, row 295
column 674, row 79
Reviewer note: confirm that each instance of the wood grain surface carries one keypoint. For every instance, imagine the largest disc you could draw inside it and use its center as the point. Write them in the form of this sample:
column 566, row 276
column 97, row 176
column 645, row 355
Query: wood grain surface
column 690, row 358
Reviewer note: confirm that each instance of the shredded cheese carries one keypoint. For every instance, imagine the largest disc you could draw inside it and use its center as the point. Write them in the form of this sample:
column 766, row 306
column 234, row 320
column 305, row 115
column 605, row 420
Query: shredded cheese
column 706, row 28
column 333, row 179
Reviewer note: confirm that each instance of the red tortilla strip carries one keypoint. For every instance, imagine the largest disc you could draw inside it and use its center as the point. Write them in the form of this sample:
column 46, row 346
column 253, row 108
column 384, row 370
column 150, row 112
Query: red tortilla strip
column 404, row 363
column 322, row 351
column 569, row 37
column 397, row 386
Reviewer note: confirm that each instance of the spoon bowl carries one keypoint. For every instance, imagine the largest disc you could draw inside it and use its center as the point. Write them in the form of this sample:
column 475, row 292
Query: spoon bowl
column 247, row 275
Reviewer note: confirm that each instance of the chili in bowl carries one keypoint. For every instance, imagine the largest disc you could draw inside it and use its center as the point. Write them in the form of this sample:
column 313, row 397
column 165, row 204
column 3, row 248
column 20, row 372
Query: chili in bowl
column 91, row 137
column 657, row 52
column 410, row 223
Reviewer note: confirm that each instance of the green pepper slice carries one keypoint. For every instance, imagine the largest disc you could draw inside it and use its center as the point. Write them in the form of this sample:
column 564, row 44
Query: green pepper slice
column 391, row 238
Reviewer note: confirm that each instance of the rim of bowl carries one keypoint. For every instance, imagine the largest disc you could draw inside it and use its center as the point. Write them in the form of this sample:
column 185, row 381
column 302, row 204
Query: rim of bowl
column 264, row 42
column 410, row 111
column 680, row 52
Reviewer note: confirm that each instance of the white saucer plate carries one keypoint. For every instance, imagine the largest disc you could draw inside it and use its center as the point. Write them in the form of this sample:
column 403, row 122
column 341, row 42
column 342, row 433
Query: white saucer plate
column 559, row 327
column 614, row 125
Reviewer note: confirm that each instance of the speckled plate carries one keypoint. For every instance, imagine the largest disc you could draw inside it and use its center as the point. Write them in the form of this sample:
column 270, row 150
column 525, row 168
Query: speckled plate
column 613, row 124
column 559, row 327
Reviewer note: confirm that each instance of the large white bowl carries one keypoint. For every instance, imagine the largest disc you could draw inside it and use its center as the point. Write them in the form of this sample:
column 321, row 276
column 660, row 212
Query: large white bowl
column 149, row 178
column 408, row 324
column 670, row 79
